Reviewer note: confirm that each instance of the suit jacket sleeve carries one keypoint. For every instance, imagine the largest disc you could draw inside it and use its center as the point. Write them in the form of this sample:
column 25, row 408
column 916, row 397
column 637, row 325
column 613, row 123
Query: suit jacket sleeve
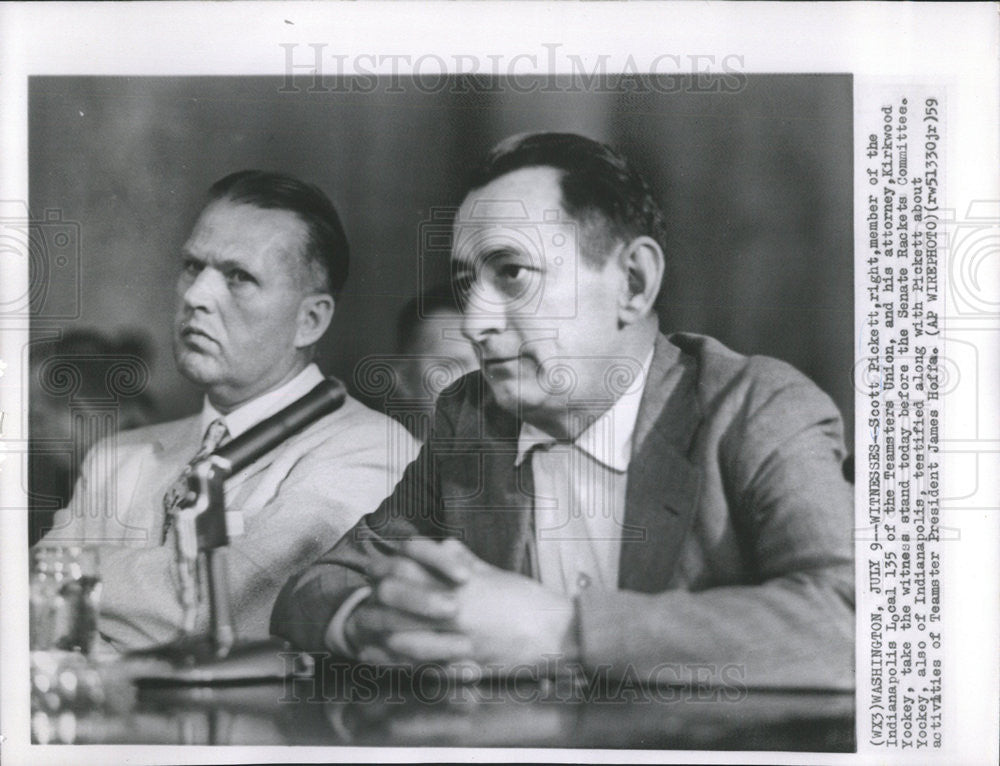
column 775, row 456
column 777, row 612
column 311, row 598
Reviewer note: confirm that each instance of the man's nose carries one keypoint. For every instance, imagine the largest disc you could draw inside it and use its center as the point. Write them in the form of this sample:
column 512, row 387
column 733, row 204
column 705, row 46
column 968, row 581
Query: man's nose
column 484, row 315
column 202, row 292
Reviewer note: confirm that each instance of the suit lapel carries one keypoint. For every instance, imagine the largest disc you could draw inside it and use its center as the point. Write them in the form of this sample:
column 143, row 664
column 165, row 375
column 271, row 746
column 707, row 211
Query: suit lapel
column 158, row 467
column 493, row 513
column 171, row 452
column 181, row 444
column 495, row 518
column 506, row 540
column 248, row 491
column 663, row 484
column 238, row 480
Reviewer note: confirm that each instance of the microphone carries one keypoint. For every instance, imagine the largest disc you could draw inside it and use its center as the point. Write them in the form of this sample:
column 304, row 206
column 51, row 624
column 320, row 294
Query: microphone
column 202, row 539
column 327, row 396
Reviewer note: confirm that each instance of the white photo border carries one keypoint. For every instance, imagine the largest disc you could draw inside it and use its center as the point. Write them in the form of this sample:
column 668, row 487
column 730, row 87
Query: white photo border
column 949, row 46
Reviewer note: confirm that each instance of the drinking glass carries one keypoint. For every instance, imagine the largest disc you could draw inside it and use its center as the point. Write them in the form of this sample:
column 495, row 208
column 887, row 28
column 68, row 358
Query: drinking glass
column 65, row 598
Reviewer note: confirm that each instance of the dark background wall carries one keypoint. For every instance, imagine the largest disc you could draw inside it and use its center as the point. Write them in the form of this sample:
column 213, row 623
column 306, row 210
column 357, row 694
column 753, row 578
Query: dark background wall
column 756, row 185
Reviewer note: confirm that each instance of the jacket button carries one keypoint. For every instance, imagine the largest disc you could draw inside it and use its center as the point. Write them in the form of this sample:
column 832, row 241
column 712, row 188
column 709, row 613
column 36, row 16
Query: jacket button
column 583, row 581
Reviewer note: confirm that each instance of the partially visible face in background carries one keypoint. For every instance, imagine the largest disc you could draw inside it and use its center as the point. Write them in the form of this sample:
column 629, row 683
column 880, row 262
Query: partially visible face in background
column 438, row 355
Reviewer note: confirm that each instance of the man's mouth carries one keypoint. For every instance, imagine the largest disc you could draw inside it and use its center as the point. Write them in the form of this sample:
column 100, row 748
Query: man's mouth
column 500, row 367
column 195, row 334
column 496, row 361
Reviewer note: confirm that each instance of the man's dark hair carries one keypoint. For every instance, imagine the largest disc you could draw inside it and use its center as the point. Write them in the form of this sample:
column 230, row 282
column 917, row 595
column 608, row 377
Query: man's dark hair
column 598, row 185
column 326, row 244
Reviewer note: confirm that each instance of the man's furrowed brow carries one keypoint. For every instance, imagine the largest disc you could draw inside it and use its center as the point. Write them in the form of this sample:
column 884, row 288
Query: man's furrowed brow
column 188, row 255
column 231, row 264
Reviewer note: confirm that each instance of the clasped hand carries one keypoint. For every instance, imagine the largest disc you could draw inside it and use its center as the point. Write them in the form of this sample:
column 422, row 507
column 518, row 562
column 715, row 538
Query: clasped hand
column 438, row 602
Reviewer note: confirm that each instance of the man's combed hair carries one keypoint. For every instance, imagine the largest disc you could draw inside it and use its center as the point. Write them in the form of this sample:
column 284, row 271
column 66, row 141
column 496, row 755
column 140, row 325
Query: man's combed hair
column 598, row 186
column 326, row 247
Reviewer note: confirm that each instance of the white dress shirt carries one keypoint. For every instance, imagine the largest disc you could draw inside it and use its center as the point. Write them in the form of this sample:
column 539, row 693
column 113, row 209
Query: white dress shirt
column 579, row 490
column 244, row 417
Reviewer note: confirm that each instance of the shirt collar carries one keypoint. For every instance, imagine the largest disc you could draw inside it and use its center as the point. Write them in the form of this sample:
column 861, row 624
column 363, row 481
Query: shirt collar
column 250, row 414
column 609, row 438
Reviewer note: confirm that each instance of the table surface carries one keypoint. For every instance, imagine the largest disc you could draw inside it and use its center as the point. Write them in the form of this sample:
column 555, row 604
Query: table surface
column 362, row 705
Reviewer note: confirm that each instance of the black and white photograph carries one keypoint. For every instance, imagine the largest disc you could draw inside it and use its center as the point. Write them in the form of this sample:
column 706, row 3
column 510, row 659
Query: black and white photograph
column 513, row 403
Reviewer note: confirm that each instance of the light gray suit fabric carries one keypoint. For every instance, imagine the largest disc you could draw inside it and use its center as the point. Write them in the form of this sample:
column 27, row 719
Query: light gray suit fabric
column 296, row 501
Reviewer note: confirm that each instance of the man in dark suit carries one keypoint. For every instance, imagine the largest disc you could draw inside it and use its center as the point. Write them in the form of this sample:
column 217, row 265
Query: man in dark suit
column 645, row 505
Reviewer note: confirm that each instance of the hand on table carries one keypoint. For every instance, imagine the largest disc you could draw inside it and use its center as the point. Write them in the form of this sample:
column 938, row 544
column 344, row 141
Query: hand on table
column 438, row 602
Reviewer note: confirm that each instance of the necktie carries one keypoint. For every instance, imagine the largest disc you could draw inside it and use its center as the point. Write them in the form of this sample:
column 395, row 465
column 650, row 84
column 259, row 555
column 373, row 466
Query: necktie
column 215, row 434
column 526, row 560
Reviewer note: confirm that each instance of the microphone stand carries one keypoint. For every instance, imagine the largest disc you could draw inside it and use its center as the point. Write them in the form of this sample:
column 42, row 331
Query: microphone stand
column 202, row 529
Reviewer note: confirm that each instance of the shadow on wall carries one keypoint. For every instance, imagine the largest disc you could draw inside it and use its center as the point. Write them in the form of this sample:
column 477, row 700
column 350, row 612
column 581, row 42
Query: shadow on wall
column 756, row 184
column 85, row 386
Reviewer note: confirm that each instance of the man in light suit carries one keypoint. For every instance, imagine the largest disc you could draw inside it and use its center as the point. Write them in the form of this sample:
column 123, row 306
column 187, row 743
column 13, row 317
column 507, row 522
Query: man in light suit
column 658, row 508
column 260, row 275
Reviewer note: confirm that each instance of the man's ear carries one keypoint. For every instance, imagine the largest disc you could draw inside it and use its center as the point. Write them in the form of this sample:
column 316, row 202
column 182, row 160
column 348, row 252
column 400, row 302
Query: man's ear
column 315, row 315
column 643, row 263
